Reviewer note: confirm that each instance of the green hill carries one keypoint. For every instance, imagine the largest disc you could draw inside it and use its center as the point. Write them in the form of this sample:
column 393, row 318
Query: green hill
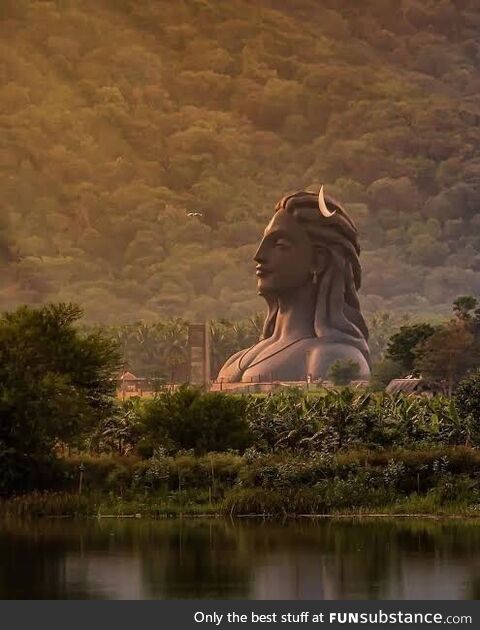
column 121, row 117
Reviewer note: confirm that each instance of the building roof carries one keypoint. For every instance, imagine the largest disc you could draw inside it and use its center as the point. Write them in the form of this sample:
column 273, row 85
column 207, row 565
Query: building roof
column 405, row 385
column 128, row 376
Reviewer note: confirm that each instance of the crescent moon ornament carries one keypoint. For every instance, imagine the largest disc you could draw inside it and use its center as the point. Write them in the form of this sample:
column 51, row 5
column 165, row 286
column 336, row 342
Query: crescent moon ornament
column 322, row 206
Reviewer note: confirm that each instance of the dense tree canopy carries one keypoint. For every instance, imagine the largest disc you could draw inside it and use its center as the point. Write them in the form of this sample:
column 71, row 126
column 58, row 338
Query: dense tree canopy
column 146, row 142
column 56, row 384
column 448, row 354
column 401, row 347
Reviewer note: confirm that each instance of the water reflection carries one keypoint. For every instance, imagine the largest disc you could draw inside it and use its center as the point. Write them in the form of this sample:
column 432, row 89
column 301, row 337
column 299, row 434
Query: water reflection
column 216, row 558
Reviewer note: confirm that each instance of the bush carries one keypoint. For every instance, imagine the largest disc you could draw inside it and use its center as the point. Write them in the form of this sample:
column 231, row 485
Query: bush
column 331, row 421
column 24, row 472
column 398, row 480
column 325, row 497
column 344, row 372
column 467, row 399
column 49, row 504
column 191, row 419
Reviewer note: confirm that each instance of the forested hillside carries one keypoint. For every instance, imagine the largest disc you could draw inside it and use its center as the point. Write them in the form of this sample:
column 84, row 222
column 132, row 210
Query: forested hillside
column 119, row 118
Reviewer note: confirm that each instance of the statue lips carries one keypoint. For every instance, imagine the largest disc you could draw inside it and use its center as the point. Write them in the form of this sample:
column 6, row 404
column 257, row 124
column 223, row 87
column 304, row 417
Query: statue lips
column 261, row 272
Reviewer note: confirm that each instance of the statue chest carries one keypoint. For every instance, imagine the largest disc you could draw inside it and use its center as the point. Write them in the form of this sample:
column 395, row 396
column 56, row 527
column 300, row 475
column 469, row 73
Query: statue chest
column 276, row 361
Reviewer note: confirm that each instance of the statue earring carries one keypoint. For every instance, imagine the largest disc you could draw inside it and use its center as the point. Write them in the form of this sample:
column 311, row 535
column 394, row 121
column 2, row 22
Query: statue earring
column 314, row 277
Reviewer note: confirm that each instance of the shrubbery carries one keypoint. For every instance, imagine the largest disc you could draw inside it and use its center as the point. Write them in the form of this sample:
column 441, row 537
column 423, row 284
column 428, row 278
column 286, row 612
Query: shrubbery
column 270, row 483
column 157, row 474
column 293, row 421
column 191, row 419
column 344, row 372
column 467, row 399
column 334, row 420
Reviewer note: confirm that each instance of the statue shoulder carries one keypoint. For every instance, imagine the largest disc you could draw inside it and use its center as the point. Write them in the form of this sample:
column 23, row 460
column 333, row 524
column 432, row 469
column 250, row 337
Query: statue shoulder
column 323, row 355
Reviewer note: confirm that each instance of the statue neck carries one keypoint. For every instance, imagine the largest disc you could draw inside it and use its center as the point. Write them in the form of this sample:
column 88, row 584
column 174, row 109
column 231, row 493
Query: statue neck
column 295, row 314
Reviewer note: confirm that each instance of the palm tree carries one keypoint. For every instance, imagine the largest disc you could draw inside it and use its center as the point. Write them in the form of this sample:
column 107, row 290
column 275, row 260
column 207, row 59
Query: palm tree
column 382, row 325
column 256, row 322
column 123, row 336
column 149, row 347
column 220, row 343
column 173, row 335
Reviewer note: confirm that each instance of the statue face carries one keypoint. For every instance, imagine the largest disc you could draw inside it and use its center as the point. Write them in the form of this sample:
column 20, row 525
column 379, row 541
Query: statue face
column 285, row 257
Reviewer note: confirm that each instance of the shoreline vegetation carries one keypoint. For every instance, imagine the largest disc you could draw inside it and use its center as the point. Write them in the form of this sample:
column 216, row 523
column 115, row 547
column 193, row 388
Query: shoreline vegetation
column 449, row 512
column 91, row 509
column 439, row 482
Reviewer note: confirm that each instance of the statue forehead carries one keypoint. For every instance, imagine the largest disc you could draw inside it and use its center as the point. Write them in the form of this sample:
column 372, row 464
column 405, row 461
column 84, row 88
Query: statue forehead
column 282, row 220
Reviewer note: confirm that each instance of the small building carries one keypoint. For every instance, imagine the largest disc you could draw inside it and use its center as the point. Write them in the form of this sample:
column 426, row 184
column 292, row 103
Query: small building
column 131, row 385
column 410, row 385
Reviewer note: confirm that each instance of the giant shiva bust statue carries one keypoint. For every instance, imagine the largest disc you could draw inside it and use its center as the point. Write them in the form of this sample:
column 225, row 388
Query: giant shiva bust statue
column 308, row 271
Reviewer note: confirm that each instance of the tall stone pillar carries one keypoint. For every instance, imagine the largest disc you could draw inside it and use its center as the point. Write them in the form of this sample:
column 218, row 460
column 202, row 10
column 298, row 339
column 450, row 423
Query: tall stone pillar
column 199, row 354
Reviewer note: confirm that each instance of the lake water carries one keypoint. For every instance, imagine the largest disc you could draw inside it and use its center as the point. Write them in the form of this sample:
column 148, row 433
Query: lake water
column 251, row 559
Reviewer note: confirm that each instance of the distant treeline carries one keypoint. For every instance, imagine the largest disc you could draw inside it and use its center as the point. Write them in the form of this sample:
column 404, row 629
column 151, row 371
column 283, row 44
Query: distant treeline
column 440, row 351
column 145, row 143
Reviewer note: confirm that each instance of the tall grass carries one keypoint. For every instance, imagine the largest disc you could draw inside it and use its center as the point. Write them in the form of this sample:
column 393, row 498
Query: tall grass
column 281, row 482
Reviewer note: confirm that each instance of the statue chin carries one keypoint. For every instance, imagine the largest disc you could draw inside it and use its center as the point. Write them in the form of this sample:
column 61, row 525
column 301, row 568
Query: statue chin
column 265, row 289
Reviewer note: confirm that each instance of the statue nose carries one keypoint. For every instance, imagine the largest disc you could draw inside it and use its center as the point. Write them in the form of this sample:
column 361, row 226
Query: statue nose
column 259, row 256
